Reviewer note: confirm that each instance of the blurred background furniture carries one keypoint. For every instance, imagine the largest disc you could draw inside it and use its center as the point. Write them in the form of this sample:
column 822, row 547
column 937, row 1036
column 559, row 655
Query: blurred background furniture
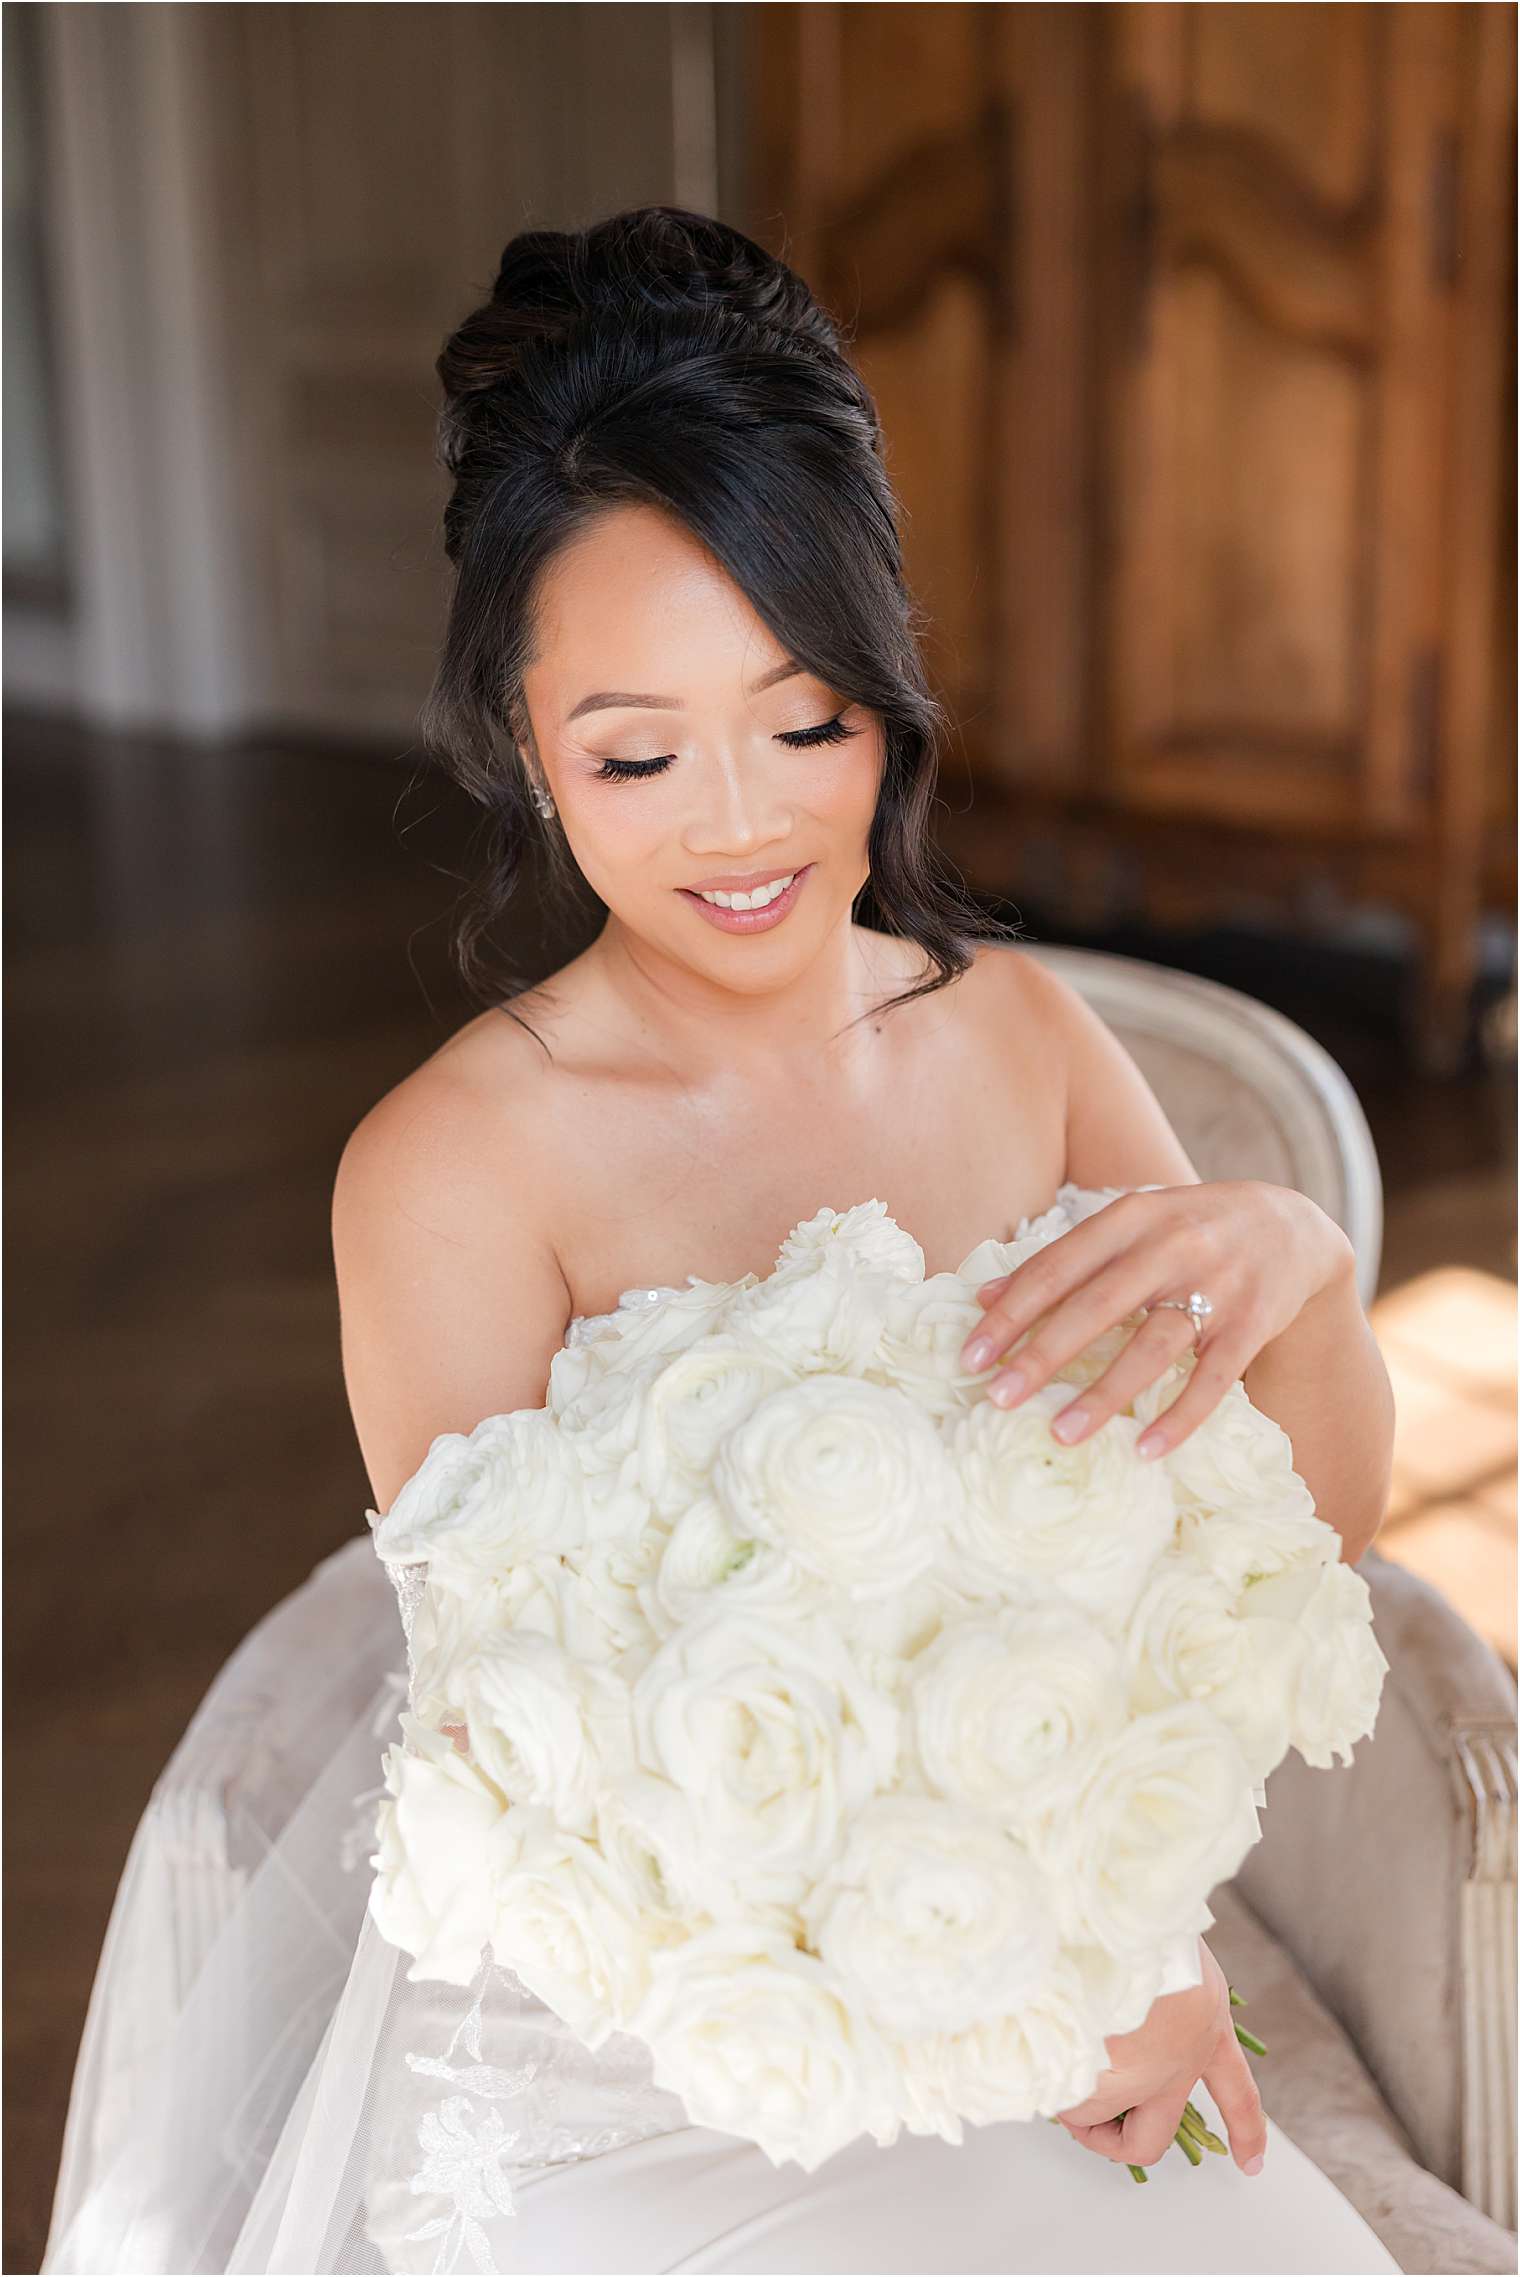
column 1193, row 329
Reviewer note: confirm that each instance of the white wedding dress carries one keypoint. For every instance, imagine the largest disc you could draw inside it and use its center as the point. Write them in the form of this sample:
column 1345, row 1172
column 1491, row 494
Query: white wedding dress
column 259, row 2087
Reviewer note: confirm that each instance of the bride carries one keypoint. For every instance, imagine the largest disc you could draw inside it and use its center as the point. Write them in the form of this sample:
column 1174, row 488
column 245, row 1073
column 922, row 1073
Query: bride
column 681, row 658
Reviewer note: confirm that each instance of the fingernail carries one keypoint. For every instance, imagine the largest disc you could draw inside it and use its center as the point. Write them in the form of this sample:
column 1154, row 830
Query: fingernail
column 1253, row 2165
column 1068, row 1425
column 978, row 1352
column 1008, row 1387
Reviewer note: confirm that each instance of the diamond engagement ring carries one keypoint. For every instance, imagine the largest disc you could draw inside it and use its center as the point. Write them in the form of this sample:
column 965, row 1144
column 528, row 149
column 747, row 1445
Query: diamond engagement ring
column 1196, row 1306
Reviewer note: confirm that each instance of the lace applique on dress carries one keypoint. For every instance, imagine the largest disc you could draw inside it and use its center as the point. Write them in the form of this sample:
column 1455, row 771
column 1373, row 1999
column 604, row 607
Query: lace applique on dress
column 546, row 2100
column 463, row 2148
column 409, row 1582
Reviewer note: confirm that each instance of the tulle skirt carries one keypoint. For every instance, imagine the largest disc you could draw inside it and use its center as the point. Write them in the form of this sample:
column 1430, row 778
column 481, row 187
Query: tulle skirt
column 259, row 2087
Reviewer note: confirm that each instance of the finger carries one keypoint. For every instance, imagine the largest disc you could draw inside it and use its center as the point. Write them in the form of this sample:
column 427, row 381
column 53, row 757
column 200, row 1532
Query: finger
column 1157, row 1344
column 1145, row 2131
column 1232, row 2083
column 1222, row 1362
column 1110, row 2097
column 1043, row 1279
column 1140, row 2135
column 1103, row 2137
column 1112, row 1294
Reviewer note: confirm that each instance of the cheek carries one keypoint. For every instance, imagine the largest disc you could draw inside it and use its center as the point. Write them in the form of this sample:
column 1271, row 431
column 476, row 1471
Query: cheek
column 616, row 835
column 848, row 795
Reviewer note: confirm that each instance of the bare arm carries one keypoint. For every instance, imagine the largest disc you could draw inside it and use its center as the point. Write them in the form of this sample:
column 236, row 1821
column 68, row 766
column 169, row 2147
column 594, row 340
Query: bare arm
column 1323, row 1379
column 451, row 1300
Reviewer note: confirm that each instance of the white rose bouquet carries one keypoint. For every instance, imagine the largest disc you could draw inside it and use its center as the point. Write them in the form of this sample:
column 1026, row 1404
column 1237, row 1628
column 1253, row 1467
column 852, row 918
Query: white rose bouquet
column 862, row 1749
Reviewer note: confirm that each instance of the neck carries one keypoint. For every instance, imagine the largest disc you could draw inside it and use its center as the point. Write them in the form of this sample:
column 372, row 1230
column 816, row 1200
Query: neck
column 703, row 1027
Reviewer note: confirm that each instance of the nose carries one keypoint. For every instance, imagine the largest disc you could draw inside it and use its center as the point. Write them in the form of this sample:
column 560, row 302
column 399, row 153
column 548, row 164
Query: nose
column 739, row 815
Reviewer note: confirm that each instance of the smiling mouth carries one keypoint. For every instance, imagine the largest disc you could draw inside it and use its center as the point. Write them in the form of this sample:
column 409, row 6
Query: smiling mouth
column 757, row 919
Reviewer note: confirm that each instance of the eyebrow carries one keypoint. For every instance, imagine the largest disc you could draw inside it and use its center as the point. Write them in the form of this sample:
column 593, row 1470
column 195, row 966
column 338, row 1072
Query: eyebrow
column 614, row 700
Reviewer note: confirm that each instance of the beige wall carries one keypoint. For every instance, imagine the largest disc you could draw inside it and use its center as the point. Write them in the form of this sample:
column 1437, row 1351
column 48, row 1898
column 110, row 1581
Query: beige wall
column 264, row 221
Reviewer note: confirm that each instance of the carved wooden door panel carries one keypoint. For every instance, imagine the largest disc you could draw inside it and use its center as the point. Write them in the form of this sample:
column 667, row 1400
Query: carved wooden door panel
column 1189, row 325
column 1280, row 245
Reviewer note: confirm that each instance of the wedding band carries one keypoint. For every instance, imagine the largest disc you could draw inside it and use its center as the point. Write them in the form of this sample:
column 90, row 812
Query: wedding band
column 1196, row 1306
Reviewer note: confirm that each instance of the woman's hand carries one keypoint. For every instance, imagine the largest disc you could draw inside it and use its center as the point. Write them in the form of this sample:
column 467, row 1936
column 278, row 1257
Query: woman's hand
column 1186, row 2036
column 1259, row 1252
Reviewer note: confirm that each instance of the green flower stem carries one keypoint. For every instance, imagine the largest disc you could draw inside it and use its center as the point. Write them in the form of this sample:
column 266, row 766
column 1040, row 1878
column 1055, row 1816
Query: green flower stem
column 1195, row 2125
column 1139, row 2174
column 1235, row 1999
column 1187, row 2145
column 1249, row 2040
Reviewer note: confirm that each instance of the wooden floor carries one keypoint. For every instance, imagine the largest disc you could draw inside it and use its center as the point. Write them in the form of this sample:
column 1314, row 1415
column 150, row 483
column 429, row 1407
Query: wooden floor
column 216, row 962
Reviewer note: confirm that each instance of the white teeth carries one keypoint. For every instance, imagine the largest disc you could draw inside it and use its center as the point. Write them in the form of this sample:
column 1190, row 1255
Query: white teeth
column 756, row 900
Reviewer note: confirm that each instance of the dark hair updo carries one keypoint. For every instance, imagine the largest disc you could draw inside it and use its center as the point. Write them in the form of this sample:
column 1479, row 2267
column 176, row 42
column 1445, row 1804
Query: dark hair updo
column 659, row 357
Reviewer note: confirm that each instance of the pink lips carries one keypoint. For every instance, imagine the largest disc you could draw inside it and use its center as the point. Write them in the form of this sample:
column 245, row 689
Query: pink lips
column 750, row 920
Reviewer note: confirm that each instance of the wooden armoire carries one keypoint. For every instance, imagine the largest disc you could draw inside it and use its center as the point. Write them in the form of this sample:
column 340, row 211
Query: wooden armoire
column 1192, row 329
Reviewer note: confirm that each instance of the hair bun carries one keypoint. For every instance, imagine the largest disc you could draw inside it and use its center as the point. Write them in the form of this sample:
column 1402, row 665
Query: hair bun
column 661, row 262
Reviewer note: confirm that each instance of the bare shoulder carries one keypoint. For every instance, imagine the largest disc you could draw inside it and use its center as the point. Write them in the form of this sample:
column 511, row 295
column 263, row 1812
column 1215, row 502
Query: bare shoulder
column 451, row 1299
column 1117, row 1132
column 452, row 1136
column 1021, row 999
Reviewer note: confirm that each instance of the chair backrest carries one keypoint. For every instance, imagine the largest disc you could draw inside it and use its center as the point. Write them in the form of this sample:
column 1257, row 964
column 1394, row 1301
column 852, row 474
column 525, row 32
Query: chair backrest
column 1249, row 1093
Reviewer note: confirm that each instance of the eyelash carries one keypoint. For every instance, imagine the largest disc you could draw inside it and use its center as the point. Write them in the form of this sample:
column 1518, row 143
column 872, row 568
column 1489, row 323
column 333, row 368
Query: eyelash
column 800, row 739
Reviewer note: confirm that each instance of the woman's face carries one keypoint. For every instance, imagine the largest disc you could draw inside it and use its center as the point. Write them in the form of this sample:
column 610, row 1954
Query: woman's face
column 636, row 608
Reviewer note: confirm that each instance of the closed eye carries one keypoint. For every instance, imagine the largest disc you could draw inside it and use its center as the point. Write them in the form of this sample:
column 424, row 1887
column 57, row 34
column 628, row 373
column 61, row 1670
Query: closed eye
column 798, row 739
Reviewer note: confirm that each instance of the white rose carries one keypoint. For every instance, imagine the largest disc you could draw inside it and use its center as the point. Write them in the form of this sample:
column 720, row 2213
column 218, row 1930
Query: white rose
column 1339, row 1666
column 635, row 1340
column 931, row 1916
column 705, row 1557
column 689, row 1407
column 886, row 1635
column 598, row 1428
column 867, row 1236
column 1121, row 1991
column 1184, row 1641
column 600, row 1596
column 823, row 1319
column 1030, row 2062
column 923, row 1328
column 646, row 1830
column 545, row 1727
column 1091, row 1517
column 848, row 1478
column 450, row 1631
column 445, row 1837
column 1157, row 1816
column 1242, row 1545
column 758, row 2040
column 1236, row 1457
column 568, row 1923
column 480, row 1501
column 774, row 1738
column 1003, row 1705
column 994, row 1260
